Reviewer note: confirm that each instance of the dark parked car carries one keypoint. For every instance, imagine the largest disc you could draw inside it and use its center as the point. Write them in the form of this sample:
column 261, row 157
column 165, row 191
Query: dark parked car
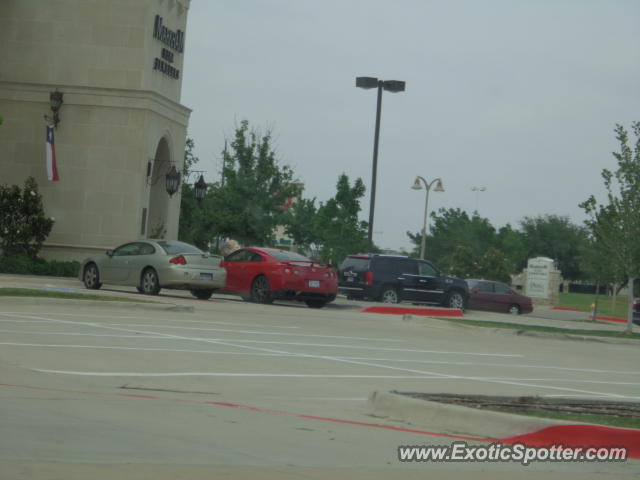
column 391, row 279
column 497, row 297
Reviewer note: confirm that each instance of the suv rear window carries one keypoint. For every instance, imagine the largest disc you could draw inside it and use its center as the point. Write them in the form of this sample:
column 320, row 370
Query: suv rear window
column 395, row 266
column 358, row 264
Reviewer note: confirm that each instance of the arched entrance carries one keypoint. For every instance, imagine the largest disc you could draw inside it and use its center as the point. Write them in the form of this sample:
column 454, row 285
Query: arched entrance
column 158, row 197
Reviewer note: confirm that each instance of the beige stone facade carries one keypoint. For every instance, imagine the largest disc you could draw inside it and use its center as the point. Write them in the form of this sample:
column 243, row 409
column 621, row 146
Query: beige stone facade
column 121, row 124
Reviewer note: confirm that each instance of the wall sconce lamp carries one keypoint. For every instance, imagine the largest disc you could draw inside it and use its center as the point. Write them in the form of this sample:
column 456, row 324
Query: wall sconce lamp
column 56, row 101
column 172, row 181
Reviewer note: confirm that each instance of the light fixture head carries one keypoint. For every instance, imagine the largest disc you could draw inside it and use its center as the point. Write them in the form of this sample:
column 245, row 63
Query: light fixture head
column 366, row 82
column 56, row 99
column 439, row 186
column 394, row 86
column 200, row 188
column 416, row 185
column 172, row 181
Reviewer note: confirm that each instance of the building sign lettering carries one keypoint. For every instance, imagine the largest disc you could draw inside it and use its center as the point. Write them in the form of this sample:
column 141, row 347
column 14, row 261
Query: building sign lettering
column 173, row 40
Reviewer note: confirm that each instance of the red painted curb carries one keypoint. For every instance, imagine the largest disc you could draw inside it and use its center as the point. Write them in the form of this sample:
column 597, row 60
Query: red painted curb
column 584, row 436
column 604, row 319
column 427, row 312
column 612, row 319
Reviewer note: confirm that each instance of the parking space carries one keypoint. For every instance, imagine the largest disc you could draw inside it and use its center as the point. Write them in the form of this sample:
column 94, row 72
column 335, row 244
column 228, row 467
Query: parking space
column 261, row 367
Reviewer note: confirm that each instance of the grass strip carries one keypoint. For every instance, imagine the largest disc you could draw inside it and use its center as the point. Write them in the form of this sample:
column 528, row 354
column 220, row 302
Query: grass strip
column 29, row 292
column 539, row 328
column 608, row 420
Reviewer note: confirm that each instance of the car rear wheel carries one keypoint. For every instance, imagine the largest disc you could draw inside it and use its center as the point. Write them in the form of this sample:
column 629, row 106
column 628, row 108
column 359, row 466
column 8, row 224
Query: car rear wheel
column 390, row 295
column 150, row 283
column 261, row 290
column 455, row 299
column 514, row 309
column 202, row 294
column 315, row 303
column 91, row 277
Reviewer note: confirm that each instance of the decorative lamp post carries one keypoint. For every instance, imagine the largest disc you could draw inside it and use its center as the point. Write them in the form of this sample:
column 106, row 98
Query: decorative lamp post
column 427, row 186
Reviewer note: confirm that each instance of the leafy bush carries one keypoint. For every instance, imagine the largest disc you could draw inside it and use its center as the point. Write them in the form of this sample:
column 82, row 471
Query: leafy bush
column 23, row 225
column 25, row 265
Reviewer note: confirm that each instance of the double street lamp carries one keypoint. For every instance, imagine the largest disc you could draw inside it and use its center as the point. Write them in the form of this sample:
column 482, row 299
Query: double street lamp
column 393, row 86
column 427, row 186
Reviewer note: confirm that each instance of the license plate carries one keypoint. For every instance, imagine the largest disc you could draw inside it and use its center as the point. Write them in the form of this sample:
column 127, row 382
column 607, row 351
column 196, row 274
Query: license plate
column 314, row 283
column 206, row 276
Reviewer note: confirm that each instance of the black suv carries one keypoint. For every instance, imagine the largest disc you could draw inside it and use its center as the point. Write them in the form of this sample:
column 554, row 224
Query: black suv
column 391, row 279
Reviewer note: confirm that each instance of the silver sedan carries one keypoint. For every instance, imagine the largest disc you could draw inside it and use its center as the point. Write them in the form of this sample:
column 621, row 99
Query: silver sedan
column 151, row 265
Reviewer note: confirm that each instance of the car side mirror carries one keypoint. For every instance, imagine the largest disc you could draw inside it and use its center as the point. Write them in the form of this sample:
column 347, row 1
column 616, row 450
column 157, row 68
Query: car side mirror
column 109, row 253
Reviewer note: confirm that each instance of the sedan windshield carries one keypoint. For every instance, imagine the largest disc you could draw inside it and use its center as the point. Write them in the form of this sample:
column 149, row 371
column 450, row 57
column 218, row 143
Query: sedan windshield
column 173, row 247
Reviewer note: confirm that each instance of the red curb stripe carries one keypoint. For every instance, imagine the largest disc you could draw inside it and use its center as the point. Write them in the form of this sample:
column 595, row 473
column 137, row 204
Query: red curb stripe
column 427, row 312
column 612, row 319
column 567, row 435
column 259, row 410
column 582, row 436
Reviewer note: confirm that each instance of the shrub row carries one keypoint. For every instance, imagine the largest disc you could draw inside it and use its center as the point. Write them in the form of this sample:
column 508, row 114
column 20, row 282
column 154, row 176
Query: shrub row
column 24, row 265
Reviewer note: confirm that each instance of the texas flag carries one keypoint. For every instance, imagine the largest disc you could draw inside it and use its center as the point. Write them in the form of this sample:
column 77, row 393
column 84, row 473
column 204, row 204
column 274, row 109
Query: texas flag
column 52, row 167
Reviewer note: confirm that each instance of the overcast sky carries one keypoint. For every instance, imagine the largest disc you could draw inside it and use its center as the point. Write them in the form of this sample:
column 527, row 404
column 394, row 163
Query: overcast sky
column 520, row 97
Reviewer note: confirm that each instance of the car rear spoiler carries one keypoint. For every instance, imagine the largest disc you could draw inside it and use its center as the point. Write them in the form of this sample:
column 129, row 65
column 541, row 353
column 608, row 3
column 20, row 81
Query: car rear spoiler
column 311, row 263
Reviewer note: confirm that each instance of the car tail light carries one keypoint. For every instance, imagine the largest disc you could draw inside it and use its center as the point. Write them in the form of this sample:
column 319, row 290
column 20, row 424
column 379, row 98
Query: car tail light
column 179, row 260
column 368, row 278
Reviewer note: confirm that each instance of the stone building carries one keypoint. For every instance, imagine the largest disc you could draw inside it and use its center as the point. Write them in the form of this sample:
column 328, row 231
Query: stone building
column 118, row 65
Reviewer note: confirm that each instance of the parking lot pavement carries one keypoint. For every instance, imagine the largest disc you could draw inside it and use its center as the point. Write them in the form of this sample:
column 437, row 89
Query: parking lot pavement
column 235, row 383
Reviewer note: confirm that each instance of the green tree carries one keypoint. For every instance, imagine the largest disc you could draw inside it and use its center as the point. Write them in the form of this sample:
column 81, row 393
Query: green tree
column 453, row 228
column 190, row 230
column 248, row 205
column 301, row 225
column 463, row 263
column 337, row 226
column 494, row 265
column 23, row 224
column 513, row 244
column 617, row 223
column 555, row 237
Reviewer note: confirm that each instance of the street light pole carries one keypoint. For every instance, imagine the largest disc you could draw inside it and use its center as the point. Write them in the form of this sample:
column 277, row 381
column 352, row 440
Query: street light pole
column 374, row 170
column 391, row 86
column 478, row 190
column 427, row 186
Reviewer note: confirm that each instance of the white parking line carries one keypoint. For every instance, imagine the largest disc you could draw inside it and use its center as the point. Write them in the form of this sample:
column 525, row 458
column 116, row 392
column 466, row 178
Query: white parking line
column 374, row 359
column 239, row 340
column 254, row 332
column 112, row 317
column 351, row 362
column 221, row 374
column 311, row 375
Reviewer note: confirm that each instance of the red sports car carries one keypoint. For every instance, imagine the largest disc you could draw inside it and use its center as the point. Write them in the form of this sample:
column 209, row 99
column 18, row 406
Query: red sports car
column 267, row 274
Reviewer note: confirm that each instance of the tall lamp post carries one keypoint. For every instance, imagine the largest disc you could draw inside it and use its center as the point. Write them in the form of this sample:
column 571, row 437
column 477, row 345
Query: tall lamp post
column 427, row 186
column 393, row 86
column 478, row 190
